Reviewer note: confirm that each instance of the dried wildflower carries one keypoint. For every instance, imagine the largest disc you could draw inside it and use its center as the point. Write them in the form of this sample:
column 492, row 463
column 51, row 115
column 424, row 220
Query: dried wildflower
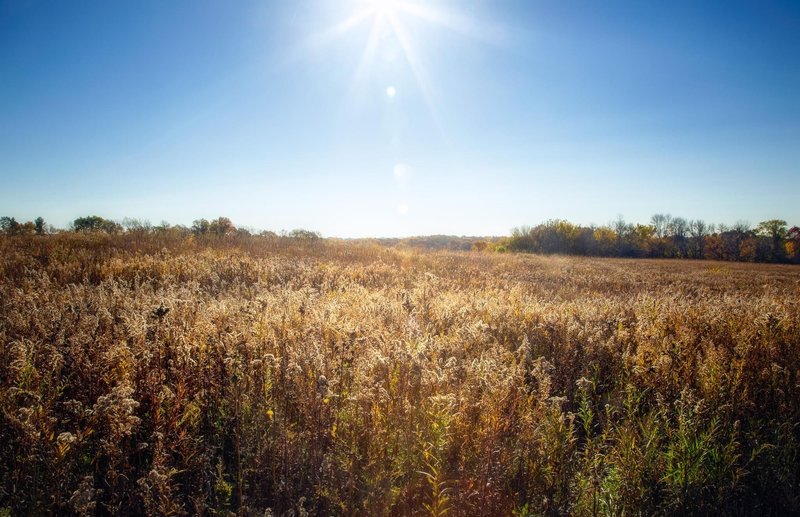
column 82, row 500
column 117, row 408
column 584, row 384
column 524, row 351
column 66, row 438
column 322, row 385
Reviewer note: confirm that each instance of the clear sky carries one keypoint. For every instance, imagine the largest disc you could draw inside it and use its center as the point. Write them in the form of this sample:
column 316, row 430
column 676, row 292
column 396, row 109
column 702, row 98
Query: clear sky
column 393, row 117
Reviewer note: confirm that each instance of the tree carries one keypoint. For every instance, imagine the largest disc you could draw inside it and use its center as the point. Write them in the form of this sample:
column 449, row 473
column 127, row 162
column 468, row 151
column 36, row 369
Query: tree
column 775, row 229
column 605, row 240
column 678, row 229
column 731, row 240
column 661, row 224
column 623, row 231
column 554, row 236
column 566, row 235
column 27, row 228
column 479, row 245
column 222, row 226
column 748, row 250
column 200, row 226
column 698, row 230
column 641, row 237
column 741, row 227
column 621, row 227
column 793, row 243
column 136, row 225
column 95, row 223
column 39, row 225
column 521, row 239
column 304, row 235
column 9, row 225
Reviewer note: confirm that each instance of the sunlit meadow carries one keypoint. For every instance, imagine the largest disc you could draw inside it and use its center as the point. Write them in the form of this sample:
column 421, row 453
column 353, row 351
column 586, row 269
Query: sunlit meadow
column 183, row 375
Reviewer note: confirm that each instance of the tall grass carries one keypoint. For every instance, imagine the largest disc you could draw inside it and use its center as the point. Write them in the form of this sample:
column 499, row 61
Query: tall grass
column 172, row 376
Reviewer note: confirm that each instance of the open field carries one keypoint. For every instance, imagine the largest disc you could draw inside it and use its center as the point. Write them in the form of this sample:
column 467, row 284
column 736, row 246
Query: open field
column 146, row 375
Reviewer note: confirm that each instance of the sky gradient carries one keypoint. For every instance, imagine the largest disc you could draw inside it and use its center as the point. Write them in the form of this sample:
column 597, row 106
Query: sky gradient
column 465, row 118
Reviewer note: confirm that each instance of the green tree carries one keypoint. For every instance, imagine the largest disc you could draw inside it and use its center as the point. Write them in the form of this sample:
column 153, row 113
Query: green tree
column 39, row 226
column 775, row 229
column 9, row 225
column 95, row 223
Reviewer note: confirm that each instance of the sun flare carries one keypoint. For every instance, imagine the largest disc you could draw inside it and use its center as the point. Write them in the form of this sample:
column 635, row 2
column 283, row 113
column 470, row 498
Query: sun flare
column 388, row 27
column 383, row 7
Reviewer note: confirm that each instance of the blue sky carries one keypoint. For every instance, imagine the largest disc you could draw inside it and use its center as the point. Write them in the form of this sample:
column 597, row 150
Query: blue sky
column 466, row 117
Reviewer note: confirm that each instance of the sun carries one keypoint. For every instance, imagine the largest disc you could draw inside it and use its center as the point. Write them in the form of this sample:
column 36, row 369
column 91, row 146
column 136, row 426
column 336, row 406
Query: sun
column 386, row 19
column 384, row 7
column 389, row 17
column 393, row 24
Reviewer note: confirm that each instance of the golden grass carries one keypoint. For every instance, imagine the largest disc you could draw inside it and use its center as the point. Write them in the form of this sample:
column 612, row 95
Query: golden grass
column 167, row 376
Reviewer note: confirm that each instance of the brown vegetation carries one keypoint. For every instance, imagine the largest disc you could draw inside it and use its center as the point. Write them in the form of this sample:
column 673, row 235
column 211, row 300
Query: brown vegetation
column 164, row 375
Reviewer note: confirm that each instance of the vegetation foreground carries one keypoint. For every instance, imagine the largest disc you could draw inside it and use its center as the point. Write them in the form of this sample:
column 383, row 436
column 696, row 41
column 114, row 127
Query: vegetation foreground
column 168, row 376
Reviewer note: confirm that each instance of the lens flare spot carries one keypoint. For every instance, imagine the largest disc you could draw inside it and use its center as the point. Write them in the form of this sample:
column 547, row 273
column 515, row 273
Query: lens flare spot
column 391, row 91
column 401, row 171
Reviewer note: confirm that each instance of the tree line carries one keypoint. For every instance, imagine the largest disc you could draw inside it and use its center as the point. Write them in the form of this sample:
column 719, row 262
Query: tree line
column 664, row 237
column 10, row 226
column 220, row 227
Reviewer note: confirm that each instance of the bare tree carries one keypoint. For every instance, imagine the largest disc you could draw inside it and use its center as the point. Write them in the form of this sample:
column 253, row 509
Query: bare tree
column 137, row 225
column 698, row 230
column 661, row 224
column 678, row 228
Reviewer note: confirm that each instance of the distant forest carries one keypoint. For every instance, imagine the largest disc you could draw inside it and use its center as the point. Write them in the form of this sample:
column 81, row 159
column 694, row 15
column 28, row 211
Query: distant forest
column 663, row 237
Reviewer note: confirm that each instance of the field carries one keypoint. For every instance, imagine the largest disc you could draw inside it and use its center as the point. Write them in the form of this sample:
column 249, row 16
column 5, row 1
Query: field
column 170, row 376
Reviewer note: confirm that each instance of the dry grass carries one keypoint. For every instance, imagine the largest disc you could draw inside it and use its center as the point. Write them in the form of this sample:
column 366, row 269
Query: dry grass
column 147, row 375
